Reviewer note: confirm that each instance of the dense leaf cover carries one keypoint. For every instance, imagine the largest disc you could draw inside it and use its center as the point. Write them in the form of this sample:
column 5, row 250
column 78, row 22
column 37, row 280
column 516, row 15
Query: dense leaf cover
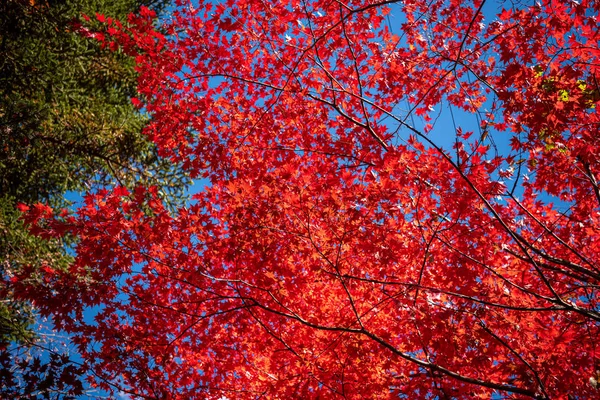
column 66, row 124
column 66, row 120
column 353, row 240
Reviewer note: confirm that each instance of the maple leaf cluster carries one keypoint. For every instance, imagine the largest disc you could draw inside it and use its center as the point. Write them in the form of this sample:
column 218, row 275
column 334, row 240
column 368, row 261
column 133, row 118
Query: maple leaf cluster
column 351, row 241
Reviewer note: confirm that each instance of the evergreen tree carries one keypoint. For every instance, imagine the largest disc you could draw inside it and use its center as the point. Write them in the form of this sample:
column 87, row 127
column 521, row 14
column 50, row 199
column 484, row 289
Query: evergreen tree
column 66, row 125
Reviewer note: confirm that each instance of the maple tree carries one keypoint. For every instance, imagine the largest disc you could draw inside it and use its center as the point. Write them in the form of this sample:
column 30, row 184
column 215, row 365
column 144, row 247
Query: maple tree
column 351, row 241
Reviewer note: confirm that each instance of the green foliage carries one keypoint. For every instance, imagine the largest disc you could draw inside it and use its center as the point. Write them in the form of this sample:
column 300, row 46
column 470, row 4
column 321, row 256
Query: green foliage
column 66, row 120
column 15, row 319
column 20, row 248
column 66, row 124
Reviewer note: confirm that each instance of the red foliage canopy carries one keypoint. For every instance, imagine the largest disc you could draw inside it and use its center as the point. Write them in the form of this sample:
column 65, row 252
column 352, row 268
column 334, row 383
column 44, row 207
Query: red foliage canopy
column 402, row 203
